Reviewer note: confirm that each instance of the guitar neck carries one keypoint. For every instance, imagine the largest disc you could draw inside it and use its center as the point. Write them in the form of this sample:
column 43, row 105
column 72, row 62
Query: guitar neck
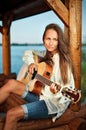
column 46, row 81
column 43, row 79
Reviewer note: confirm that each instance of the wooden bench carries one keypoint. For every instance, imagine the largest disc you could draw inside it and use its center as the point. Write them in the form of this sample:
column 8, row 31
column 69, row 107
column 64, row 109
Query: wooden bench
column 69, row 120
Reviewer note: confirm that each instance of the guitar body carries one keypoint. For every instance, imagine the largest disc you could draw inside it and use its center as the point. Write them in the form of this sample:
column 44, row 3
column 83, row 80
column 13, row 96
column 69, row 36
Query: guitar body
column 34, row 85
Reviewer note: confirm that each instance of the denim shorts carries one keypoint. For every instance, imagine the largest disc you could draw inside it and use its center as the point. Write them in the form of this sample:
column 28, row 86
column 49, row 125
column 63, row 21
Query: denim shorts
column 35, row 108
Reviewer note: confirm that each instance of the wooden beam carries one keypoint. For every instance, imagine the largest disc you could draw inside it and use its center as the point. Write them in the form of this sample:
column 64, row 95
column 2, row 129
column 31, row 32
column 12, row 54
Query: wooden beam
column 66, row 28
column 1, row 29
column 75, row 20
column 6, row 57
column 60, row 9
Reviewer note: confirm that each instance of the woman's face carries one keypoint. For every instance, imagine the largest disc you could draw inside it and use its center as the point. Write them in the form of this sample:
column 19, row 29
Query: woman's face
column 51, row 40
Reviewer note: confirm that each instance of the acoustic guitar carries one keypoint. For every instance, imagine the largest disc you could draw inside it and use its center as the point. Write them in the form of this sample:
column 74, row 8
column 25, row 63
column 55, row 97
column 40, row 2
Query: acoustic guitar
column 42, row 76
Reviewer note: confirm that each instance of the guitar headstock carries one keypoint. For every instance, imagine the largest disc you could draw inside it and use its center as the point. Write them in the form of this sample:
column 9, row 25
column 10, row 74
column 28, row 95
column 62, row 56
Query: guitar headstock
column 73, row 95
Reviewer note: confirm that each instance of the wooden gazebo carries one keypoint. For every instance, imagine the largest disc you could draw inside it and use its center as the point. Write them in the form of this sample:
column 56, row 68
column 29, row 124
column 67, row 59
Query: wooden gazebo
column 70, row 13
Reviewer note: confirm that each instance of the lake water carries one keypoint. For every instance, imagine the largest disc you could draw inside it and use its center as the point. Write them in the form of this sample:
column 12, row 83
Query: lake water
column 17, row 53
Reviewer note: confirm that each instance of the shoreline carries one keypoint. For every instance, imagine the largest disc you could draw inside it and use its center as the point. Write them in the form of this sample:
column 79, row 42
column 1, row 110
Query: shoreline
column 25, row 44
column 31, row 44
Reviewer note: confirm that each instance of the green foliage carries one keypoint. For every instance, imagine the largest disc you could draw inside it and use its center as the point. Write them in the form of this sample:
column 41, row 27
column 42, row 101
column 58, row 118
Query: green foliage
column 83, row 76
column 83, row 56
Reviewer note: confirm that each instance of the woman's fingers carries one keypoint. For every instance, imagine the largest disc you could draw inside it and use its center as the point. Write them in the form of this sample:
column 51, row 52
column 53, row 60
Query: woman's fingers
column 53, row 88
column 32, row 67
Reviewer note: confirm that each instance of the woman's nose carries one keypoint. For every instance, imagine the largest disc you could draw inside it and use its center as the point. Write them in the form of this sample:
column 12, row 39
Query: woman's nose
column 51, row 41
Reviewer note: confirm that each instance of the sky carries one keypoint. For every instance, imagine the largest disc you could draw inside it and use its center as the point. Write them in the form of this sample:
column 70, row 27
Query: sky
column 30, row 29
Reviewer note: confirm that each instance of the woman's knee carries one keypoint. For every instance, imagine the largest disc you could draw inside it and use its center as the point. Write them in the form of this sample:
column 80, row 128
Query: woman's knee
column 10, row 115
column 15, row 114
column 14, row 86
column 11, row 81
column 9, row 86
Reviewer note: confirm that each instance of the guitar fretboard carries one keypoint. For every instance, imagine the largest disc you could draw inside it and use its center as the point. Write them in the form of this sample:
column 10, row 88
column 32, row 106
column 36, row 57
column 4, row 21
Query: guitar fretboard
column 46, row 81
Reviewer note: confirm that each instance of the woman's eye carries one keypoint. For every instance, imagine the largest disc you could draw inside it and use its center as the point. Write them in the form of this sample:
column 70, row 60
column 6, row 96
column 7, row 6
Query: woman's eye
column 47, row 38
column 55, row 39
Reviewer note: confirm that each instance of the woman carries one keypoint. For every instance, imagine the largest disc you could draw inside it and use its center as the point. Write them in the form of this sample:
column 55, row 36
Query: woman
column 51, row 103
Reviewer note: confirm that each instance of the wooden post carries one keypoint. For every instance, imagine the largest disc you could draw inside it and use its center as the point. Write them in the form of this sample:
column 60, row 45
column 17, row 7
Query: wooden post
column 6, row 57
column 75, row 39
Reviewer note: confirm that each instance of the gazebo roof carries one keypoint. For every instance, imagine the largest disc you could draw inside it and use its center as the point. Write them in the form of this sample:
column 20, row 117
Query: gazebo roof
column 22, row 8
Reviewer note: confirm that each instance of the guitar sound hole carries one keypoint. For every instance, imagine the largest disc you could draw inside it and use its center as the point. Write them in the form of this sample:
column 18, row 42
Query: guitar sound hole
column 47, row 73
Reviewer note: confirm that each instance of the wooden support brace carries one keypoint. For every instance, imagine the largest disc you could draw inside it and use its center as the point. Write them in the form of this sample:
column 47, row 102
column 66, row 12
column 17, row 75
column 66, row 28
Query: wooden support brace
column 60, row 9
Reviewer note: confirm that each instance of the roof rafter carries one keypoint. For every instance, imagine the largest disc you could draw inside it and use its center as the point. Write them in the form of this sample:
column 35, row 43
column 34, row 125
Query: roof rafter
column 60, row 9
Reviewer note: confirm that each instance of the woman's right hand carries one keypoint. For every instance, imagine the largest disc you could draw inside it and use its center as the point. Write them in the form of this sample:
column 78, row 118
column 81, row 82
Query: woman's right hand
column 32, row 67
column 53, row 88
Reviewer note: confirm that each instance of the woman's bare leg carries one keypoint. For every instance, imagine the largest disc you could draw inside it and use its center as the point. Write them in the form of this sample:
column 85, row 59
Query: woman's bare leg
column 12, row 117
column 12, row 86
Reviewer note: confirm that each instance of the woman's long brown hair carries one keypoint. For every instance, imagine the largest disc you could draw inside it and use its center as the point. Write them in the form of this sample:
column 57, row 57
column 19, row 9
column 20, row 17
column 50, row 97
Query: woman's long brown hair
column 63, row 50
